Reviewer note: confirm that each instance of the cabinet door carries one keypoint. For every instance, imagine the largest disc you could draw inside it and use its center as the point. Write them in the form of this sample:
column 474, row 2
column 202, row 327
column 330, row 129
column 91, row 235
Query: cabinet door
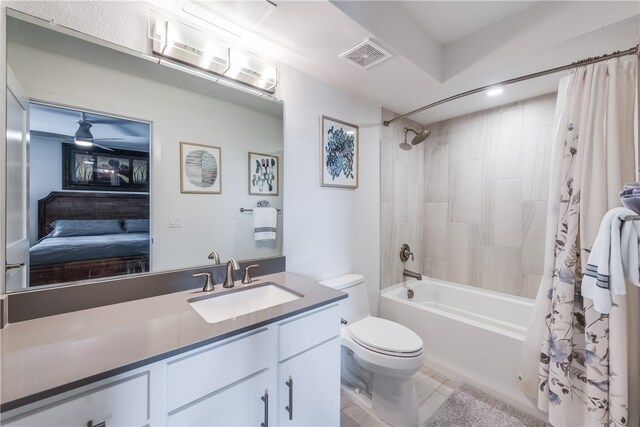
column 309, row 387
column 240, row 404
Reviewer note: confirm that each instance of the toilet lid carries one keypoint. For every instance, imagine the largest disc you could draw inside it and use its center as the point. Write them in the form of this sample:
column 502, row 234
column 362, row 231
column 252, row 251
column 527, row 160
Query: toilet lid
column 385, row 336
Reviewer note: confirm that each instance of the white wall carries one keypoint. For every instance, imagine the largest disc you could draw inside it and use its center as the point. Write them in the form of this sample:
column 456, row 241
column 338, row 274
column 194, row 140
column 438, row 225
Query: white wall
column 329, row 231
column 45, row 176
column 210, row 222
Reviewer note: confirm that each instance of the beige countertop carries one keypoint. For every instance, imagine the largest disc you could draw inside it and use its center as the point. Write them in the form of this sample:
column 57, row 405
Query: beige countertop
column 53, row 354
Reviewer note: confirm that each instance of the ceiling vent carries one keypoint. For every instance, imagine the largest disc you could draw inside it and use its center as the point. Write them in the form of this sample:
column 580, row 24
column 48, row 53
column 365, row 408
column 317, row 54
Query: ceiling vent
column 366, row 54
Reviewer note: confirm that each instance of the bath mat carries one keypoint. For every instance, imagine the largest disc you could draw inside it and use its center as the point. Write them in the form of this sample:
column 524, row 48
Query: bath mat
column 468, row 407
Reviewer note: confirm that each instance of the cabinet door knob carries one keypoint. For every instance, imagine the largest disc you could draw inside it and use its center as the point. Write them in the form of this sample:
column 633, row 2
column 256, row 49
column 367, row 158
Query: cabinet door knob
column 91, row 424
column 290, row 407
column 265, row 399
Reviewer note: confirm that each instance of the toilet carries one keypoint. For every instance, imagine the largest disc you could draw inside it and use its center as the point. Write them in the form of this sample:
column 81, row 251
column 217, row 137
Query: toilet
column 379, row 357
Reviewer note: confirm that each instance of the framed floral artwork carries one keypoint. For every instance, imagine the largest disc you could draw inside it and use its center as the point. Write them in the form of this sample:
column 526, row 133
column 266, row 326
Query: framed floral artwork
column 264, row 174
column 339, row 153
column 200, row 168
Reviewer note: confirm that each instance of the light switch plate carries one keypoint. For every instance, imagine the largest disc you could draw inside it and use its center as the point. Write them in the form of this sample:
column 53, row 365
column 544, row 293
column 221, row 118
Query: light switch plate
column 175, row 221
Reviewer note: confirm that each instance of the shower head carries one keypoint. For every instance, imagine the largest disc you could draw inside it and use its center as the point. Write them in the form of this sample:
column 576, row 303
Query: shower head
column 420, row 136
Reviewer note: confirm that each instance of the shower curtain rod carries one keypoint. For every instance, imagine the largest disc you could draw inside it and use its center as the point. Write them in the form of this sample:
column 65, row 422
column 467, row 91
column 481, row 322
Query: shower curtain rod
column 634, row 50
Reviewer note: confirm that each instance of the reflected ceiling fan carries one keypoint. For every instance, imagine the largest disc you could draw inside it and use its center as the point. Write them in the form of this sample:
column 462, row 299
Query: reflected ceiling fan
column 84, row 137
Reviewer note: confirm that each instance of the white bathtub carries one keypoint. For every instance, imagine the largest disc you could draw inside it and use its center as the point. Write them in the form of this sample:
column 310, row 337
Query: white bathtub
column 470, row 334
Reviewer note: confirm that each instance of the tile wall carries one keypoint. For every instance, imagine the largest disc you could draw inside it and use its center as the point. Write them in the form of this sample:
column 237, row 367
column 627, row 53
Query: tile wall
column 485, row 185
column 401, row 199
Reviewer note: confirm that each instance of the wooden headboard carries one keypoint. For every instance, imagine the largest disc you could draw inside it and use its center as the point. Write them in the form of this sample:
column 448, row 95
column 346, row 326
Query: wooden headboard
column 89, row 205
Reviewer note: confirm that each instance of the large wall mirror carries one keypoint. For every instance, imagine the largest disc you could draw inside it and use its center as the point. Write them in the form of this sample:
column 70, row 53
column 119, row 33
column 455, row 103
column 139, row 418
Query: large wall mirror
column 120, row 165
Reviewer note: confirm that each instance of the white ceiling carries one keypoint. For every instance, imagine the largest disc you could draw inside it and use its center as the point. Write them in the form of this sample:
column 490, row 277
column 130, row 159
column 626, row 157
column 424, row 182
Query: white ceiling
column 439, row 48
column 448, row 21
column 60, row 124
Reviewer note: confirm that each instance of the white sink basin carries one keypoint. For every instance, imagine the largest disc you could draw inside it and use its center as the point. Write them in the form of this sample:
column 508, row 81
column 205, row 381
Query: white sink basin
column 242, row 301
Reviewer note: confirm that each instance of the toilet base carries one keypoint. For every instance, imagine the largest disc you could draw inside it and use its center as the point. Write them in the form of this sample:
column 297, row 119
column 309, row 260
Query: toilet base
column 395, row 400
column 392, row 398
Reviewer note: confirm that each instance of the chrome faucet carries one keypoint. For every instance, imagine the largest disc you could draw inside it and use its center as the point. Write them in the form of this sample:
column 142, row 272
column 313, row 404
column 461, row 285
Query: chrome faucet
column 412, row 274
column 232, row 265
column 215, row 257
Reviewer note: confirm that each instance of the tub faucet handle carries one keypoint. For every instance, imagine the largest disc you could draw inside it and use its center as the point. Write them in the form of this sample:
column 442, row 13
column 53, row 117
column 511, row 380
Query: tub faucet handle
column 405, row 253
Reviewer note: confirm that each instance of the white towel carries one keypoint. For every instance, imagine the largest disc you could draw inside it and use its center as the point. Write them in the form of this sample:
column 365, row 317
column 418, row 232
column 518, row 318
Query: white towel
column 612, row 261
column 264, row 223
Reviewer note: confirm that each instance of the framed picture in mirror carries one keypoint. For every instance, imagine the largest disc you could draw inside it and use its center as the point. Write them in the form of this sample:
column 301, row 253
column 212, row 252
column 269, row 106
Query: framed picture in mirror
column 264, row 174
column 97, row 169
column 200, row 168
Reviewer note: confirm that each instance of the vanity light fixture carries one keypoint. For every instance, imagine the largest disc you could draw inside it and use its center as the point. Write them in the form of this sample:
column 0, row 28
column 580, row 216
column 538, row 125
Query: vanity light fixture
column 494, row 91
column 187, row 45
column 252, row 70
column 193, row 48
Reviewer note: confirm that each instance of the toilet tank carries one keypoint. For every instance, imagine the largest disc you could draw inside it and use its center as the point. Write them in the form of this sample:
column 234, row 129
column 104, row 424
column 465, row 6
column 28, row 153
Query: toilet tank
column 356, row 306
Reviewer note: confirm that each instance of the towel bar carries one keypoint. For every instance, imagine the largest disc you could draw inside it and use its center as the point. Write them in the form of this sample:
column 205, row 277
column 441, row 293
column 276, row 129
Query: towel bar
column 630, row 218
column 251, row 210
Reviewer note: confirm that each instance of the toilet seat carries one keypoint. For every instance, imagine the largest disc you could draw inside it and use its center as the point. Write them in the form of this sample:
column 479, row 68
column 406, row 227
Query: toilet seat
column 385, row 337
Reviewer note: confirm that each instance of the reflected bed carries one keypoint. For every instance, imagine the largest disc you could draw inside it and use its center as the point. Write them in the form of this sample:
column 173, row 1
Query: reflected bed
column 67, row 257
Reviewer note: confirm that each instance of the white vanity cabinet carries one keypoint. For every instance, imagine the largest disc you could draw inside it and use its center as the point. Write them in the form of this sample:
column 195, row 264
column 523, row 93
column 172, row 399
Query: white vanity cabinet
column 307, row 386
column 309, row 370
column 239, row 381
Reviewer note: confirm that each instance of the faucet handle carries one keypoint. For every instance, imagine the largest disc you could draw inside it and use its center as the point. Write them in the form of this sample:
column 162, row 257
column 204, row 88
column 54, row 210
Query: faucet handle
column 247, row 276
column 209, row 283
column 405, row 253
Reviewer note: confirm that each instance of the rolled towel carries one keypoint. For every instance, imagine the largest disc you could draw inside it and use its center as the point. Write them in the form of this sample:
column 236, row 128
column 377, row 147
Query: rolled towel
column 632, row 202
column 630, row 196
column 264, row 223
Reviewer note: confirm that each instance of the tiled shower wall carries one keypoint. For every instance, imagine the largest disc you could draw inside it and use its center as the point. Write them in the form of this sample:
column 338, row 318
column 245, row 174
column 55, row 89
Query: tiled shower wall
column 485, row 198
column 402, row 199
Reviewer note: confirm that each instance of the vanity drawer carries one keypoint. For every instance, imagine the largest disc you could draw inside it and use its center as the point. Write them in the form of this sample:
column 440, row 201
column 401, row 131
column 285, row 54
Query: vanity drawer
column 306, row 331
column 238, row 405
column 124, row 403
column 196, row 375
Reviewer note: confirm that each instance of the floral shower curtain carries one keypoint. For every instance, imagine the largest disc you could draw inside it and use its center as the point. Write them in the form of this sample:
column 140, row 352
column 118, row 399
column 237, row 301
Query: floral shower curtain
column 583, row 366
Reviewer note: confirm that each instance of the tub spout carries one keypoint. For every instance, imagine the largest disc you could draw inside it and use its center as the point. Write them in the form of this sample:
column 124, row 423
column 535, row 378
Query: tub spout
column 413, row 275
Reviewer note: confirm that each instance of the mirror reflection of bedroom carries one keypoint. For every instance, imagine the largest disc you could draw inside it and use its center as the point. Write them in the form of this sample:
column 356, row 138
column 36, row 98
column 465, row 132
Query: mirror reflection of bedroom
column 65, row 89
column 89, row 180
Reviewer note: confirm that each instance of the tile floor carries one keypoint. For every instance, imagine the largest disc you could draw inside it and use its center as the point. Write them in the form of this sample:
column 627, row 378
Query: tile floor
column 432, row 389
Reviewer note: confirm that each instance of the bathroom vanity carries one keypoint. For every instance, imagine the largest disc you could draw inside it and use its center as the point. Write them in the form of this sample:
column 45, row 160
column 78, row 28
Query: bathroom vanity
column 156, row 361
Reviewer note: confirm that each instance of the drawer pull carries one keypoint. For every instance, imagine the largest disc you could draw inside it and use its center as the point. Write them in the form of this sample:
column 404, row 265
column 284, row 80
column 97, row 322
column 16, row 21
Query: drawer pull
column 13, row 266
column 290, row 407
column 91, row 424
column 265, row 399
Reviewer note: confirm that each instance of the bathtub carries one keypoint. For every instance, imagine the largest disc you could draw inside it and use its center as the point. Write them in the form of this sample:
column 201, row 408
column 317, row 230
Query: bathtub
column 471, row 335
